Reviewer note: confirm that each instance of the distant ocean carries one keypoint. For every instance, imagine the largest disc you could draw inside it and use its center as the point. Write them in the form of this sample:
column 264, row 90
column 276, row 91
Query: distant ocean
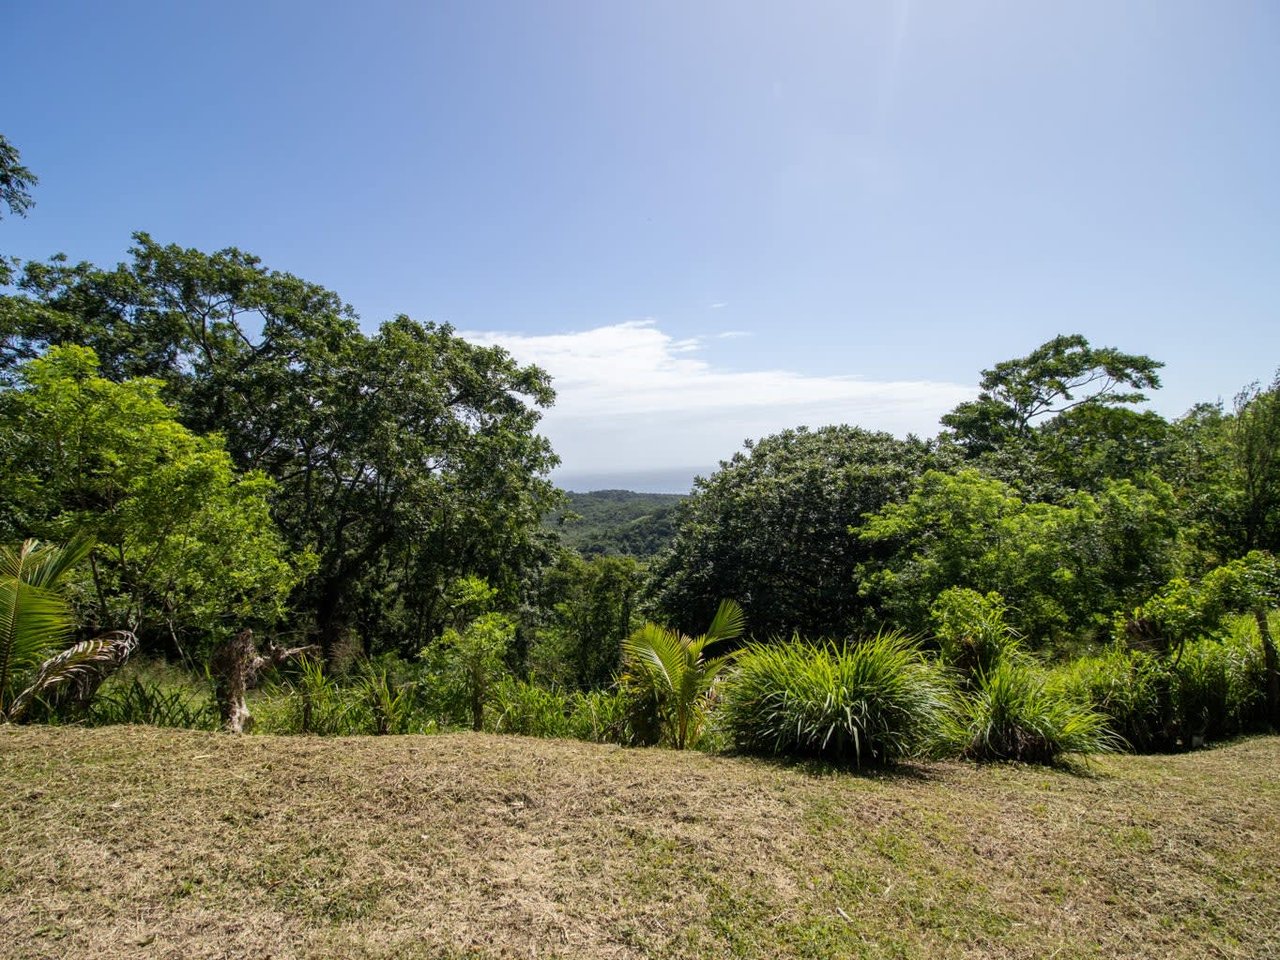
column 673, row 480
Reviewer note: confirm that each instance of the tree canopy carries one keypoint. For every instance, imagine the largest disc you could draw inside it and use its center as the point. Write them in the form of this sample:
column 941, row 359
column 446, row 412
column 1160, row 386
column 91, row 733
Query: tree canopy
column 771, row 529
column 403, row 459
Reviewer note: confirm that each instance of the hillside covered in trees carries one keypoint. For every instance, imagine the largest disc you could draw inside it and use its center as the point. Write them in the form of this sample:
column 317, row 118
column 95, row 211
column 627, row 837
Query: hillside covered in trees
column 617, row 522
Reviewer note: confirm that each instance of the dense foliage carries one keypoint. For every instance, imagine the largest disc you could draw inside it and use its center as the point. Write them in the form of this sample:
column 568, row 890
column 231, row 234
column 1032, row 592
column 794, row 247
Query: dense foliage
column 402, row 459
column 617, row 522
column 771, row 529
column 218, row 451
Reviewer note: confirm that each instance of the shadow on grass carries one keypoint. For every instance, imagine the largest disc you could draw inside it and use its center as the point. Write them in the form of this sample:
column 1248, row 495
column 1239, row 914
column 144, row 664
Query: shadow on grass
column 822, row 769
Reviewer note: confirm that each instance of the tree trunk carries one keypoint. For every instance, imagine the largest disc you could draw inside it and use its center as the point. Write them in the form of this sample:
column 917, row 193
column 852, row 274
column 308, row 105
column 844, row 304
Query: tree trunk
column 1272, row 666
column 235, row 666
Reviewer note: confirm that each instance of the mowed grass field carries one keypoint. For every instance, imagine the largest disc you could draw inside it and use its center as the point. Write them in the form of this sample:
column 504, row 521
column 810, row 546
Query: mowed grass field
column 139, row 842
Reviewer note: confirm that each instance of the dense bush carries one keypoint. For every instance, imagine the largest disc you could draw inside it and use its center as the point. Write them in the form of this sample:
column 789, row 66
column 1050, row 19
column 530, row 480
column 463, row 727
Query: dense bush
column 599, row 716
column 1212, row 689
column 771, row 529
column 874, row 702
column 1015, row 715
column 971, row 630
column 1133, row 689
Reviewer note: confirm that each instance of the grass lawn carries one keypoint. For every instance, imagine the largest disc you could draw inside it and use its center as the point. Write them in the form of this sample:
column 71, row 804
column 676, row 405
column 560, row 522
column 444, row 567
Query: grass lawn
column 131, row 841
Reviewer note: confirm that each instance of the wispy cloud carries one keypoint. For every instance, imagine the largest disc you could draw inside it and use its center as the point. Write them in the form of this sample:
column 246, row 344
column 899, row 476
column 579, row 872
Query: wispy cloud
column 718, row 306
column 631, row 397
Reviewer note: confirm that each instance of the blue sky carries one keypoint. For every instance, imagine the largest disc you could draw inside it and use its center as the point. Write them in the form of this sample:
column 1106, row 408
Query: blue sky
column 710, row 220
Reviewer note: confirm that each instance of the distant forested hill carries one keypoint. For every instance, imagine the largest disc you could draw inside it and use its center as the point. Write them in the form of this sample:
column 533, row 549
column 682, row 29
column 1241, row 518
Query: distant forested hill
column 618, row 522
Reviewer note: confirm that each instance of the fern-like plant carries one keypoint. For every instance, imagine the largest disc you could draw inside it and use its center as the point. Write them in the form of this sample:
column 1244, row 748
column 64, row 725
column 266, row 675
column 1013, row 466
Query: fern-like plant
column 36, row 619
column 667, row 678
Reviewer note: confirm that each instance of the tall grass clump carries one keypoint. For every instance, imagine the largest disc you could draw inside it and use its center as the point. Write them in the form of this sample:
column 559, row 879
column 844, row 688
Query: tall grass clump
column 390, row 705
column 153, row 704
column 1220, row 687
column 310, row 700
column 874, row 702
column 518, row 706
column 1015, row 715
column 1133, row 689
column 1209, row 689
column 599, row 716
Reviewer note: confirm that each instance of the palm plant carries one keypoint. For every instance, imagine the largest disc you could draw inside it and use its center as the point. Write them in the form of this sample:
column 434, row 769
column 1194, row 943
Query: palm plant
column 669, row 678
column 36, row 619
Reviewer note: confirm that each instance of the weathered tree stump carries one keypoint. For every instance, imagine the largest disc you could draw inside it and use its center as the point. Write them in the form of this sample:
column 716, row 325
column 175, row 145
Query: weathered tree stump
column 236, row 666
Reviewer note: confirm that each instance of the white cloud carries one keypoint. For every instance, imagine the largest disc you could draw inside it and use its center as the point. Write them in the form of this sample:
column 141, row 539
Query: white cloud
column 632, row 398
column 718, row 306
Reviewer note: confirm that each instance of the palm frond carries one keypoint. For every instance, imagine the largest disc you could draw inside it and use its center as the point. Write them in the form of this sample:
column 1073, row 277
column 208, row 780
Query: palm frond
column 43, row 564
column 33, row 622
column 85, row 663
column 657, row 655
column 728, row 623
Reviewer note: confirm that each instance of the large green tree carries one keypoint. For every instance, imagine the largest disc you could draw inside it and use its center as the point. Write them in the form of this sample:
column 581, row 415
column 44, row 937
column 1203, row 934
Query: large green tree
column 185, row 544
column 404, row 458
column 1061, row 419
column 16, row 180
column 1060, row 375
column 771, row 529
column 585, row 608
column 1063, row 568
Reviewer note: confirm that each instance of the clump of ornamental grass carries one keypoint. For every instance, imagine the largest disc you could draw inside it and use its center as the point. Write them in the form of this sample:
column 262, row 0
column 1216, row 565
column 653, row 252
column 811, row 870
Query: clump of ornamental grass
column 139, row 701
column 1133, row 689
column 1014, row 715
column 878, row 701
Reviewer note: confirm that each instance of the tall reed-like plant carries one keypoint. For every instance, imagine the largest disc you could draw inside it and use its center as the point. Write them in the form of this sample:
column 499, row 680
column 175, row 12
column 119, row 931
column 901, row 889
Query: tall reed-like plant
column 874, row 702
column 529, row 709
column 1015, row 715
column 390, row 705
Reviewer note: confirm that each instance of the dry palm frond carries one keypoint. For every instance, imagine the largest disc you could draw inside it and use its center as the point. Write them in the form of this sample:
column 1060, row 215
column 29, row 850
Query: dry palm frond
column 83, row 666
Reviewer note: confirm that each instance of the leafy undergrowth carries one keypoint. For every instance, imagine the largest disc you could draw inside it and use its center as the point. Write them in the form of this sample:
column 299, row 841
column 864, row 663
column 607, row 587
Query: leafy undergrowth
column 133, row 841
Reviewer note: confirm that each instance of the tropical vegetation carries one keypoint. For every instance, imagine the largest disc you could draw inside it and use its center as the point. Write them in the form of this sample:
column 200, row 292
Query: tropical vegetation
column 307, row 525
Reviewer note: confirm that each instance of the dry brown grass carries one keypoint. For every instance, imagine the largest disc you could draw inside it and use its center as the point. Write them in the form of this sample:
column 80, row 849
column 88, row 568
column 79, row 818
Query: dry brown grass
column 127, row 842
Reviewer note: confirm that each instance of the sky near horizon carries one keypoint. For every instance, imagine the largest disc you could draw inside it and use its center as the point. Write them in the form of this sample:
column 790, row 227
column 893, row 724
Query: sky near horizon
column 708, row 220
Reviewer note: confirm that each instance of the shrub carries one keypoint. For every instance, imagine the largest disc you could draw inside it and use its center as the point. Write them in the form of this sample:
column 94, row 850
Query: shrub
column 311, row 701
column 469, row 662
column 874, row 702
column 1212, row 689
column 1220, row 690
column 1133, row 689
column 1015, row 715
column 971, row 630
